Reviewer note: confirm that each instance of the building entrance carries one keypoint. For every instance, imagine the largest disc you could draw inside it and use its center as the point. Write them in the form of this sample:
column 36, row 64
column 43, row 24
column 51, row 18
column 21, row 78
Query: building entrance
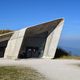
column 33, row 45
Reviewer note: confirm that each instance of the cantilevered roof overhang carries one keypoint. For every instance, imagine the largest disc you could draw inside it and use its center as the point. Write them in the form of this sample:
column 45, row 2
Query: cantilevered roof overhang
column 44, row 27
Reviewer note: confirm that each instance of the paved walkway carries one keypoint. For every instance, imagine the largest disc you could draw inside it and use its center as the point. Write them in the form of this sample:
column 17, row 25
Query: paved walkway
column 53, row 69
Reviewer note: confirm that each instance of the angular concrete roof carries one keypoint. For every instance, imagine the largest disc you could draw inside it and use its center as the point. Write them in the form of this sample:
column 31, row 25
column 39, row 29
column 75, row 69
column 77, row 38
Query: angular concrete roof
column 43, row 27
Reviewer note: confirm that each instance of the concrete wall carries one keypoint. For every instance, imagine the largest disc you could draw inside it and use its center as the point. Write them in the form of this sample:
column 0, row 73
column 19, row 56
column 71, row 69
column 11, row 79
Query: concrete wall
column 52, row 41
column 14, row 44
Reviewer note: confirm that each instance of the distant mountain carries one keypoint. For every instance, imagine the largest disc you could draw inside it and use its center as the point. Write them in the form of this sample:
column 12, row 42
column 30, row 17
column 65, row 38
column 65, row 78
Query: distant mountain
column 72, row 51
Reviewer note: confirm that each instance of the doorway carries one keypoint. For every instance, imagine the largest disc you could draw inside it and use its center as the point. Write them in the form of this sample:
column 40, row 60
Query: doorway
column 33, row 46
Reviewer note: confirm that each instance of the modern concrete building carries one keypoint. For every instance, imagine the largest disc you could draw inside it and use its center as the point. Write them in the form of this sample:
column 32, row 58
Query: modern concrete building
column 38, row 41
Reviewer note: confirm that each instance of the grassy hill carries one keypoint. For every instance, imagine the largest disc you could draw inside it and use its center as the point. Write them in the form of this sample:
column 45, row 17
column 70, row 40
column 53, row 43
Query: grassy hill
column 62, row 54
column 5, row 31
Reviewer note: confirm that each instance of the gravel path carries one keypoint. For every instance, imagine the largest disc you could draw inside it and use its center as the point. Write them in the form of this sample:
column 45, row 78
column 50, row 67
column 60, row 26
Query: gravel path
column 52, row 69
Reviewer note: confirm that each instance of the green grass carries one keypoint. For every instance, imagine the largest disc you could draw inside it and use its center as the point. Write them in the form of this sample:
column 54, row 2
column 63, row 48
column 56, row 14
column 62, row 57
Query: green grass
column 19, row 73
column 70, row 57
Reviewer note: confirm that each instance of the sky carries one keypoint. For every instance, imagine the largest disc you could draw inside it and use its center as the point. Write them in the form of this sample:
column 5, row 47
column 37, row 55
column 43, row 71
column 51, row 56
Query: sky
column 18, row 14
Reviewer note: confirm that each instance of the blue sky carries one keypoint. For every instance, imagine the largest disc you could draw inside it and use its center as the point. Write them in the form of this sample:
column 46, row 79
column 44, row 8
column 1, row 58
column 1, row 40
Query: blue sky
column 17, row 14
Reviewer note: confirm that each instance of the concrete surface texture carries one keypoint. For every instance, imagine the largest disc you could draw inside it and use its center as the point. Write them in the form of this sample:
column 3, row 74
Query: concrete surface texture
column 51, row 69
column 52, row 41
column 33, row 38
column 14, row 44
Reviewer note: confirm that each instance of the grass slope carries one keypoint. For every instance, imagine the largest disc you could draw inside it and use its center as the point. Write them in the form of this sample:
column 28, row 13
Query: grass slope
column 5, row 31
column 17, row 73
column 70, row 57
